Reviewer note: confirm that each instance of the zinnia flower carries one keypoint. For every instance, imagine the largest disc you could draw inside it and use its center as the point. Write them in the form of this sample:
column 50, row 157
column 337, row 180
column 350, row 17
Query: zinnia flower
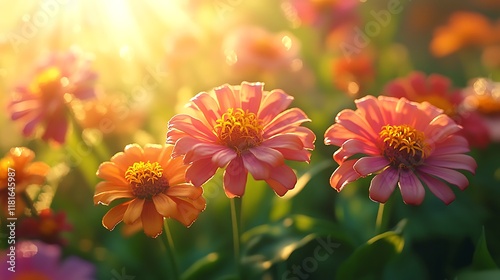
column 41, row 102
column 37, row 260
column 153, row 184
column 353, row 74
column 244, row 129
column 464, row 29
column 253, row 49
column 47, row 227
column 402, row 142
column 19, row 161
column 321, row 13
column 437, row 90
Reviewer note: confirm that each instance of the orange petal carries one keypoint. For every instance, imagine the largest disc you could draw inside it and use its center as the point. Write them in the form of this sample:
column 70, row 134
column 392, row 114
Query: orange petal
column 152, row 221
column 114, row 216
column 164, row 205
column 110, row 171
column 184, row 190
column 134, row 211
column 107, row 197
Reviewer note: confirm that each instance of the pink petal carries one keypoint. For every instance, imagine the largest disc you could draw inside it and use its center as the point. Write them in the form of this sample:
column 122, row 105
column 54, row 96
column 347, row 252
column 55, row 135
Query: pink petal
column 267, row 155
column 418, row 83
column 369, row 108
column 226, row 98
column 453, row 161
column 383, row 184
column 368, row 165
column 192, row 127
column 353, row 122
column 300, row 155
column 454, row 144
column 288, row 141
column 208, row 106
column 438, row 84
column 183, row 145
column 439, row 128
column 411, row 188
column 289, row 118
column 223, row 157
column 451, row 176
column 338, row 134
column 395, row 89
column 282, row 179
column 354, row 146
column 133, row 211
column 251, row 96
column 306, row 135
column 343, row 175
column 235, row 178
column 274, row 103
column 438, row 188
column 203, row 151
column 258, row 169
column 201, row 171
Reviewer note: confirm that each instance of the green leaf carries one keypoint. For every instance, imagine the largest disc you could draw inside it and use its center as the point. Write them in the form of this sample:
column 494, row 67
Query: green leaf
column 372, row 257
column 482, row 259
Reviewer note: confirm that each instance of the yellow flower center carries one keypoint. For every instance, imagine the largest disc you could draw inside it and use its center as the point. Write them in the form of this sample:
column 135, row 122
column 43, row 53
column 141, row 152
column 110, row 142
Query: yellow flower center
column 239, row 129
column 404, row 146
column 47, row 83
column 146, row 179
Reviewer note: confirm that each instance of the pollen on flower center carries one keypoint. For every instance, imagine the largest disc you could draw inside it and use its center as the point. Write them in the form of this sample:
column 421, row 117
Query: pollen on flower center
column 239, row 129
column 403, row 146
column 146, row 179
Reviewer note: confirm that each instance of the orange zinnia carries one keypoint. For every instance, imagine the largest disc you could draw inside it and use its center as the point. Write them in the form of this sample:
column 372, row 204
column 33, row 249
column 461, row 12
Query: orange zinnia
column 154, row 185
column 18, row 161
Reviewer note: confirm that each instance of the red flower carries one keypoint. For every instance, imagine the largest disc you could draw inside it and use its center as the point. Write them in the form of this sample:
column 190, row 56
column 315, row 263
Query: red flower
column 47, row 227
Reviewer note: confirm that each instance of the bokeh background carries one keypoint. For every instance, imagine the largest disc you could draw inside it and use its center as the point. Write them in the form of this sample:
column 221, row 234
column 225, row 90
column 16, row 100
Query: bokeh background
column 152, row 56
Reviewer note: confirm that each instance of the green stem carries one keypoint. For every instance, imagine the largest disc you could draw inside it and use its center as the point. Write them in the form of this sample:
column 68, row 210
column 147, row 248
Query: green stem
column 169, row 244
column 383, row 216
column 236, row 222
column 30, row 204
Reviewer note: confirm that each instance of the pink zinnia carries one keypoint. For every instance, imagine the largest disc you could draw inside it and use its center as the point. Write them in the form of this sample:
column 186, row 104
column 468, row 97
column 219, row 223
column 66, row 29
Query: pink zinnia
column 438, row 91
column 42, row 101
column 244, row 129
column 402, row 142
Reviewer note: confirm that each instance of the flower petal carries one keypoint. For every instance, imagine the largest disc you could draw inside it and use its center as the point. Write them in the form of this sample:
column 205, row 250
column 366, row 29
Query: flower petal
column 184, row 191
column 133, row 211
column 191, row 127
column 251, row 96
column 353, row 122
column 337, row 134
column 283, row 121
column 454, row 144
column 152, row 221
column 453, row 161
column 369, row 107
column 383, row 184
column 208, row 106
column 114, row 216
column 226, row 98
column 368, row 165
column 183, row 145
column 282, row 179
column 164, row 205
column 110, row 171
column 267, row 155
column 235, row 178
column 288, row 141
column 343, row 175
column 201, row 171
column 223, row 157
column 106, row 198
column 411, row 188
column 440, row 127
column 258, row 169
column 451, row 176
column 438, row 188
column 274, row 103
column 354, row 146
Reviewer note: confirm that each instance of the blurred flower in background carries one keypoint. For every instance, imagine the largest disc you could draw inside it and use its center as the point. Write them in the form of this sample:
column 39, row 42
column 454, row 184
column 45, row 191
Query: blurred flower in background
column 48, row 227
column 37, row 260
column 244, row 129
column 26, row 172
column 325, row 14
column 354, row 74
column 252, row 49
column 154, row 185
column 464, row 29
column 483, row 96
column 42, row 102
column 404, row 143
column 437, row 90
